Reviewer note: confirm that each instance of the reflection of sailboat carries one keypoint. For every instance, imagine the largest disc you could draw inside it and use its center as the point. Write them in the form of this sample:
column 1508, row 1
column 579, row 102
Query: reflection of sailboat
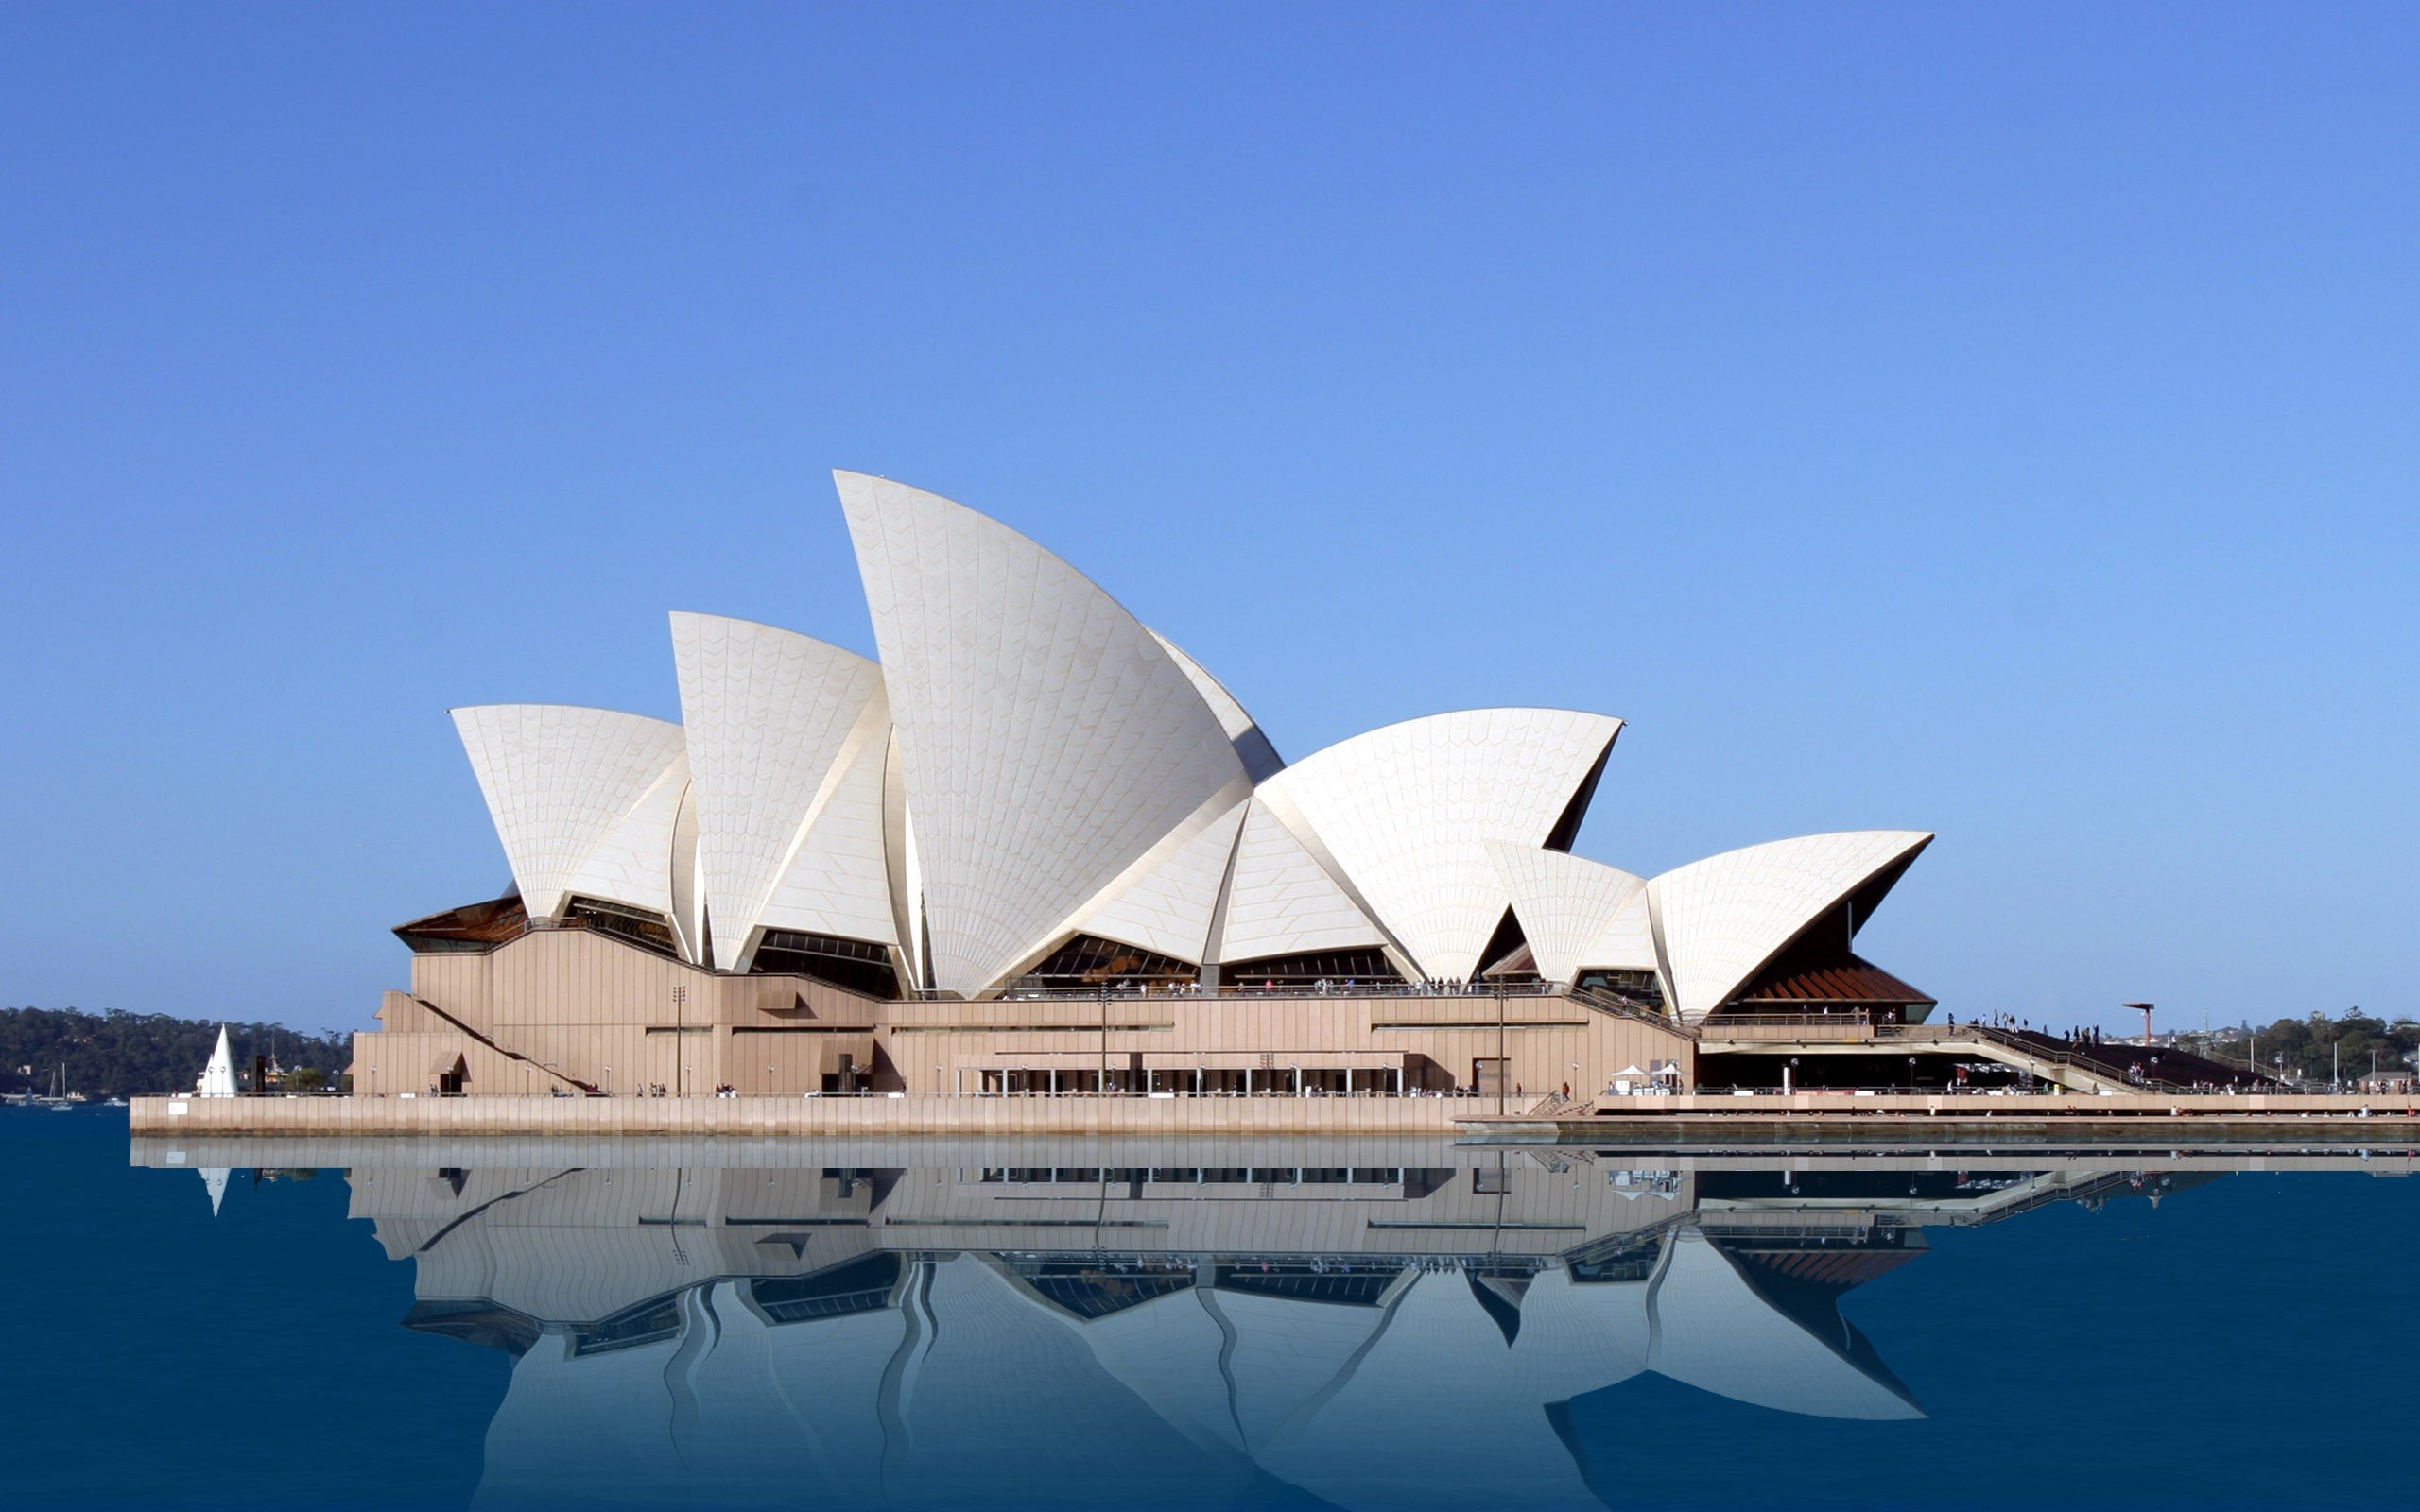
column 214, row 1181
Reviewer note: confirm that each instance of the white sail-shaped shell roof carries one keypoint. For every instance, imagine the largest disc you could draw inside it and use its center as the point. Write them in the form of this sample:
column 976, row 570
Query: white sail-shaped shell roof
column 559, row 781
column 635, row 862
column 1047, row 740
column 1719, row 920
column 1409, row 811
column 774, row 722
column 1282, row 901
column 837, row 880
column 1569, row 909
column 1029, row 763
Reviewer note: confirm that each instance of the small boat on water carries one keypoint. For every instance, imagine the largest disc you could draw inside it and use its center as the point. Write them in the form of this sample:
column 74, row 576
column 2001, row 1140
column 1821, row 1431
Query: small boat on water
column 60, row 1100
column 114, row 1102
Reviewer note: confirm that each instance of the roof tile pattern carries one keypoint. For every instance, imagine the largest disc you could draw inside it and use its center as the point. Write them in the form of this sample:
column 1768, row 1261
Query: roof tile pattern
column 634, row 864
column 839, row 880
column 1047, row 739
column 1720, row 920
column 1167, row 906
column 1627, row 943
column 770, row 714
column 1407, row 813
column 1566, row 905
column 558, row 781
column 1282, row 901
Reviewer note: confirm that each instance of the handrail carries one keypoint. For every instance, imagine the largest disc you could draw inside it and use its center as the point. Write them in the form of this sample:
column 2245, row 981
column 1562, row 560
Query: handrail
column 2108, row 1070
column 1845, row 1019
column 2057, row 1056
column 1245, row 991
column 1623, row 1008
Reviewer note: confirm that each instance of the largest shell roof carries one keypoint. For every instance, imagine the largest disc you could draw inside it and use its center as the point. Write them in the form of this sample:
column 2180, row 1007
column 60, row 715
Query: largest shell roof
column 1029, row 763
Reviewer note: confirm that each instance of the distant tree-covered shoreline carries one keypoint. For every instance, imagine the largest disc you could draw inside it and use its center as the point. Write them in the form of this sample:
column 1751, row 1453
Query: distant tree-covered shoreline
column 2318, row 1048
column 125, row 1055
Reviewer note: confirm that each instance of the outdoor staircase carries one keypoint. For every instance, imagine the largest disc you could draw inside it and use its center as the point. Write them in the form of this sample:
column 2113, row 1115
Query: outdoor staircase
column 584, row 1089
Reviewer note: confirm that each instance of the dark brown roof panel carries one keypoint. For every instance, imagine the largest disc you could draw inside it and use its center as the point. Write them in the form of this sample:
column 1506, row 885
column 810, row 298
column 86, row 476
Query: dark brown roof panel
column 1850, row 980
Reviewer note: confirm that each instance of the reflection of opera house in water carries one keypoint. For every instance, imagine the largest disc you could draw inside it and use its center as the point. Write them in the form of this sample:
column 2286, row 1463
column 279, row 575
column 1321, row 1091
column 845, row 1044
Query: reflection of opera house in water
column 1065, row 1332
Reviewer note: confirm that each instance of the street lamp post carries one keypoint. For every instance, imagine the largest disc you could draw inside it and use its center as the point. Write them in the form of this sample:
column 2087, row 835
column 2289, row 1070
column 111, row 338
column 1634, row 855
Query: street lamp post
column 1503, row 1065
column 680, row 998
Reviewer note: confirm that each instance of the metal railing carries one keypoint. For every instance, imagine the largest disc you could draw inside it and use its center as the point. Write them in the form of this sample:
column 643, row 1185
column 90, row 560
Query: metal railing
column 2132, row 1076
column 1624, row 1008
column 1352, row 988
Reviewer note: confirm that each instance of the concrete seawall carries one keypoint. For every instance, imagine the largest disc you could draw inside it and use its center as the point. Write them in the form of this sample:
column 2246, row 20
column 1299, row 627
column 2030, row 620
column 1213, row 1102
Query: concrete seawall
column 583, row 1117
column 1695, row 1120
column 1815, row 1120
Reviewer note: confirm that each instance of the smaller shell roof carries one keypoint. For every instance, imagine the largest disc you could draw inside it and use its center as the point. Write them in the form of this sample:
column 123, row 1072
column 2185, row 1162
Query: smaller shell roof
column 559, row 779
column 1720, row 921
column 1407, row 812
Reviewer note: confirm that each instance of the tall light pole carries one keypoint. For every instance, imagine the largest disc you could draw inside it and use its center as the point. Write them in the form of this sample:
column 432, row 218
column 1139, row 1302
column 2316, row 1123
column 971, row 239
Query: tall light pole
column 680, row 1051
column 1503, row 1064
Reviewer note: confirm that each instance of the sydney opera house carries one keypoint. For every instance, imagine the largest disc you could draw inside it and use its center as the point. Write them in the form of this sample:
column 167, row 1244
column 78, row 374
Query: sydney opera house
column 1039, row 848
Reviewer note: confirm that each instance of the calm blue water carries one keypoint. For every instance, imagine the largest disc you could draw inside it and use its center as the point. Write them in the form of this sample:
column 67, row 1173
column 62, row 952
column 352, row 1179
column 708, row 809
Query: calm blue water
column 1386, row 1326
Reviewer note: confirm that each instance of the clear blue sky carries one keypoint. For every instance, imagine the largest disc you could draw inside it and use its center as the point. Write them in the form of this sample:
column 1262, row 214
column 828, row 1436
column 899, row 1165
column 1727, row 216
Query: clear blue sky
column 1996, row 420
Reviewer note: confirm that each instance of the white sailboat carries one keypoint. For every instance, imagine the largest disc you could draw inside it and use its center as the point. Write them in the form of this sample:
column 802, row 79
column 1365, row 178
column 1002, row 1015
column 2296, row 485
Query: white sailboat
column 217, row 1079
